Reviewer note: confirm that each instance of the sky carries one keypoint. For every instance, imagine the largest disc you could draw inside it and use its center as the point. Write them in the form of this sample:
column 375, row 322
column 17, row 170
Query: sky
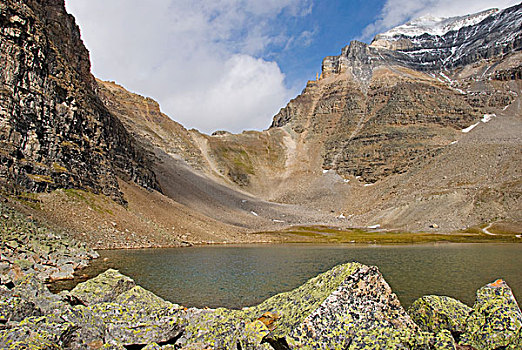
column 233, row 64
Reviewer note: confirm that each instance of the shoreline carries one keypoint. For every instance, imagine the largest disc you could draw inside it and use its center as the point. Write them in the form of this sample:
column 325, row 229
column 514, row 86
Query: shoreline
column 127, row 315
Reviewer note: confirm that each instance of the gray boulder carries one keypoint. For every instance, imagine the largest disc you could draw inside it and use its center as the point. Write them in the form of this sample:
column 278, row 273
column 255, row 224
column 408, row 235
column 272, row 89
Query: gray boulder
column 138, row 317
column 105, row 287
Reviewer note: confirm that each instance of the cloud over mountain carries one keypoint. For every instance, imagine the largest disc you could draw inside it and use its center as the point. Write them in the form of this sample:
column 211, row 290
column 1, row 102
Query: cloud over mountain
column 193, row 55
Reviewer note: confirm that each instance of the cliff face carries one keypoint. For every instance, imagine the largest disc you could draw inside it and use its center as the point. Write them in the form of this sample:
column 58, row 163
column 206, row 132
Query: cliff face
column 151, row 128
column 55, row 132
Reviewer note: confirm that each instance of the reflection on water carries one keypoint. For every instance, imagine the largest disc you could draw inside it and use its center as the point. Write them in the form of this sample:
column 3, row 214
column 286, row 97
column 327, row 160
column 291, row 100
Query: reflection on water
column 245, row 275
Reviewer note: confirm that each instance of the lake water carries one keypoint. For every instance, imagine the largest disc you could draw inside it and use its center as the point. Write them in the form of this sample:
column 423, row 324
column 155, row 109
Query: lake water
column 237, row 276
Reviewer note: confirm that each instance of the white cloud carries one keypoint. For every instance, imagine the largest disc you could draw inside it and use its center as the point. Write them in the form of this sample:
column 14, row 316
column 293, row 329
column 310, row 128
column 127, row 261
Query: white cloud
column 198, row 58
column 396, row 12
column 248, row 92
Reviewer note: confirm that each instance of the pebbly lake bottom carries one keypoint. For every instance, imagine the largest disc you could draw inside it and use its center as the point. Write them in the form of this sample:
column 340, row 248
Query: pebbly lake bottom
column 238, row 276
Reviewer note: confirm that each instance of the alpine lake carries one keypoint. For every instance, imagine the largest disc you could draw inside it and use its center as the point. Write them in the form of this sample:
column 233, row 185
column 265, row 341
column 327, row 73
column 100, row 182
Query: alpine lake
column 238, row 276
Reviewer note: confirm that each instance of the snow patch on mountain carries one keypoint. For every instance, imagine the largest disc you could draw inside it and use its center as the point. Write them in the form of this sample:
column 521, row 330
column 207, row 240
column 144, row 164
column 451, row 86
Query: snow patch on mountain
column 437, row 25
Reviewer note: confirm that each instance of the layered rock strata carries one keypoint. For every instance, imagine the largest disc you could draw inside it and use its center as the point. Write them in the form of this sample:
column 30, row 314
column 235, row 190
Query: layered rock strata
column 380, row 109
column 54, row 130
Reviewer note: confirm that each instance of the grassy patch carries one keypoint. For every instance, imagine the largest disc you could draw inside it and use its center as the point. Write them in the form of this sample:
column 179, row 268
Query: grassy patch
column 28, row 199
column 324, row 234
column 59, row 168
column 89, row 199
column 40, row 178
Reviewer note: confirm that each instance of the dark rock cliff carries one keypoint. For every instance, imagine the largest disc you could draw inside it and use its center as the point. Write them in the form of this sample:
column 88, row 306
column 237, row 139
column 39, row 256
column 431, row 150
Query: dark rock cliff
column 55, row 132
column 498, row 34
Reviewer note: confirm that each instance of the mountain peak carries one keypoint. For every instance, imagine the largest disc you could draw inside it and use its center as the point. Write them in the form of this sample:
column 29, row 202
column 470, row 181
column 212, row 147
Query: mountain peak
column 432, row 25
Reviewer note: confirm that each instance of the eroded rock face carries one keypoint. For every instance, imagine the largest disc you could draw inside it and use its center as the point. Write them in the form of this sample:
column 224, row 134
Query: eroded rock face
column 378, row 110
column 54, row 131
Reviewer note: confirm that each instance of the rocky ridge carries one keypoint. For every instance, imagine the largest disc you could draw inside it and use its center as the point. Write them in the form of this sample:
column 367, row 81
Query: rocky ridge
column 496, row 33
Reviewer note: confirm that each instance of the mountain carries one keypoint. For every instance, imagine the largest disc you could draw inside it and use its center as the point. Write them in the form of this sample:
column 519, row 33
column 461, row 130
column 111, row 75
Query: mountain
column 381, row 112
column 55, row 132
column 418, row 131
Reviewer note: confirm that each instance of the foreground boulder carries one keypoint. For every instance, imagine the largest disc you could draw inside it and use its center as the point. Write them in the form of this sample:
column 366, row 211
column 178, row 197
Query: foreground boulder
column 105, row 287
column 496, row 319
column 361, row 307
column 139, row 317
column 348, row 307
column 341, row 308
column 435, row 313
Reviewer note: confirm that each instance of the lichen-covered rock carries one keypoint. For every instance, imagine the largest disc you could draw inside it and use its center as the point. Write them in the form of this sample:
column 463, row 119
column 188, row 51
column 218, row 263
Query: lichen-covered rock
column 496, row 319
column 22, row 338
column 434, row 313
column 32, row 290
column 139, row 317
column 380, row 336
column 88, row 331
column 73, row 328
column 295, row 306
column 517, row 343
column 223, row 329
column 38, row 332
column 444, row 341
column 27, row 248
column 362, row 306
column 16, row 309
column 349, row 304
column 105, row 287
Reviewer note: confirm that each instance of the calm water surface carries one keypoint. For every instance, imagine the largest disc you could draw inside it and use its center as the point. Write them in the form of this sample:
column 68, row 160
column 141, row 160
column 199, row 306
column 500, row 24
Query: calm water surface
column 237, row 276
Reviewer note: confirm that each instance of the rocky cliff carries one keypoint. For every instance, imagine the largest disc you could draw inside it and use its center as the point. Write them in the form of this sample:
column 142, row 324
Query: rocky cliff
column 55, row 132
column 377, row 109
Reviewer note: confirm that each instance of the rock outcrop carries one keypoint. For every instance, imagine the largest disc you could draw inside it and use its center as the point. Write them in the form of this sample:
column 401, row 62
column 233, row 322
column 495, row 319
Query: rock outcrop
column 349, row 307
column 496, row 319
column 28, row 248
column 54, row 130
